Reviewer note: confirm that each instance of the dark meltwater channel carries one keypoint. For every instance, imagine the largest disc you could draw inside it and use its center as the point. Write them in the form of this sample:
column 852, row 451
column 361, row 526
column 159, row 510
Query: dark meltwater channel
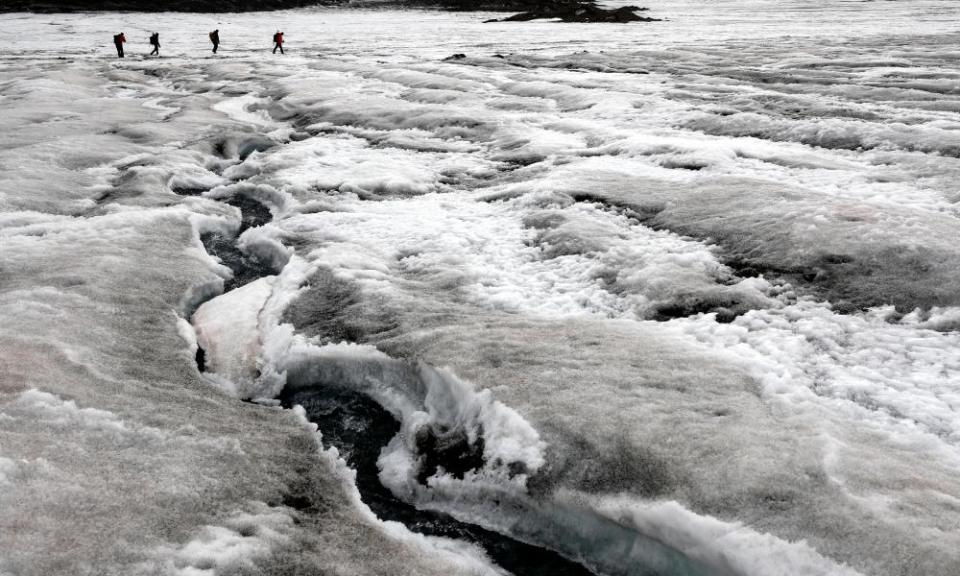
column 359, row 428
column 245, row 267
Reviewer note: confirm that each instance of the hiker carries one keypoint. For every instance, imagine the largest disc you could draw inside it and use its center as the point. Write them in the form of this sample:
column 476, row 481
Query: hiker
column 278, row 42
column 155, row 42
column 118, row 40
column 215, row 38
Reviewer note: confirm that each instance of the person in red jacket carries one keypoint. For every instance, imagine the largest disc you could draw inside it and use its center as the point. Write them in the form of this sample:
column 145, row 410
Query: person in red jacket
column 278, row 42
column 118, row 40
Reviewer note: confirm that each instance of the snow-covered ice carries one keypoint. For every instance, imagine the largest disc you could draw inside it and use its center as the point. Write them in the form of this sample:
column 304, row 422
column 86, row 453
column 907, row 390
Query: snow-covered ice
column 690, row 288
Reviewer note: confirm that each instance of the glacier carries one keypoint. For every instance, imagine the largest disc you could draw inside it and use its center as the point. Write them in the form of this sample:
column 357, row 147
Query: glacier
column 673, row 298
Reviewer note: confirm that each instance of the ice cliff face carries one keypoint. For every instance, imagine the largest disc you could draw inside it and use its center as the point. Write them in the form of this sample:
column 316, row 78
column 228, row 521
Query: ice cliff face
column 676, row 304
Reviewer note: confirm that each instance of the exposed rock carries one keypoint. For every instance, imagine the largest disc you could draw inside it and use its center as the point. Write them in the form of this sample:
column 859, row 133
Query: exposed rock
column 574, row 11
column 566, row 10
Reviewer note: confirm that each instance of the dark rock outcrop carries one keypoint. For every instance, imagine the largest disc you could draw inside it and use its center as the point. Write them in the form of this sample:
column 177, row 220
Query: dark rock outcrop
column 575, row 11
column 566, row 10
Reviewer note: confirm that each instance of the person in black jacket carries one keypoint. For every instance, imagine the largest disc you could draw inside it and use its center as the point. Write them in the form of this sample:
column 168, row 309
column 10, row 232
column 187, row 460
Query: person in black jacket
column 215, row 38
column 155, row 42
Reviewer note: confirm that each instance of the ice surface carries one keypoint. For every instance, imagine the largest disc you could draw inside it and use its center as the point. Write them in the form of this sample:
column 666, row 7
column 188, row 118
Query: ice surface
column 692, row 286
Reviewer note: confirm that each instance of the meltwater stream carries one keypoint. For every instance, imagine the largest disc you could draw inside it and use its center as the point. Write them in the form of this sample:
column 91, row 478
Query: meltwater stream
column 359, row 428
column 245, row 267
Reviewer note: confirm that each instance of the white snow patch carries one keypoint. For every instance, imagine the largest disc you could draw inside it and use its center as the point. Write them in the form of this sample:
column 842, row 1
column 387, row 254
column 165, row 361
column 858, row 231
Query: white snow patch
column 719, row 543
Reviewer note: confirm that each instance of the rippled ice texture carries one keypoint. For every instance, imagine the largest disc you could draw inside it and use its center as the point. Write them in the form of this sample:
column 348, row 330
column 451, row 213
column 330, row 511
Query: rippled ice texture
column 707, row 268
